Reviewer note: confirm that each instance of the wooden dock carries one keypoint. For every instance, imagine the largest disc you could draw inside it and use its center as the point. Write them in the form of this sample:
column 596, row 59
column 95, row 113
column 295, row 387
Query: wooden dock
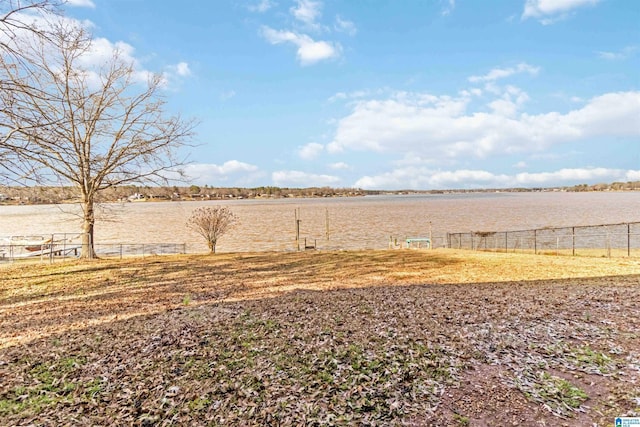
column 61, row 251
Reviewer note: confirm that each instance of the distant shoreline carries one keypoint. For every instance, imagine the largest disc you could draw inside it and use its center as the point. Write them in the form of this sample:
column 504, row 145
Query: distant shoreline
column 67, row 195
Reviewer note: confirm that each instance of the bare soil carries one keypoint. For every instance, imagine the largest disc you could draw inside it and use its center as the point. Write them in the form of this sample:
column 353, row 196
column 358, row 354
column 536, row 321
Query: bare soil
column 407, row 337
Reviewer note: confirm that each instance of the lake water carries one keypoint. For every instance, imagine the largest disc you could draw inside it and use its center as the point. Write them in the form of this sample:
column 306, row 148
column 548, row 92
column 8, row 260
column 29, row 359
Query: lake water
column 353, row 223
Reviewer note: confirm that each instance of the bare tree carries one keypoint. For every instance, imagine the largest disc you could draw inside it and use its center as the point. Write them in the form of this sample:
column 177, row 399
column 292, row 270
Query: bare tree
column 212, row 223
column 94, row 127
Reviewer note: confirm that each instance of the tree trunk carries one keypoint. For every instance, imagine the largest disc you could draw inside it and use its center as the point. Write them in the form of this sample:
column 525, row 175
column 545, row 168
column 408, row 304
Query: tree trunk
column 88, row 222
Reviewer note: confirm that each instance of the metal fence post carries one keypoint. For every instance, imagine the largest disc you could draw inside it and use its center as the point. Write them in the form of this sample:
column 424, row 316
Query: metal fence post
column 50, row 250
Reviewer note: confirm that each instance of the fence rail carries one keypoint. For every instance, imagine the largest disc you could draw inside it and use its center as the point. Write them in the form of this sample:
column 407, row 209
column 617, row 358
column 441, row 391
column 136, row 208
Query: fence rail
column 60, row 246
column 598, row 240
column 121, row 250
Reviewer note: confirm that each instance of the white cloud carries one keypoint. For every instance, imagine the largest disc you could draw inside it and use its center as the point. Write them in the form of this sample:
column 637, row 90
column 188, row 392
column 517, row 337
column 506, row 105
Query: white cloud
column 230, row 167
column 345, row 26
column 448, row 7
column 422, row 178
column 182, row 69
column 307, row 11
column 101, row 50
column 501, row 73
column 226, row 95
column 171, row 75
column 440, row 127
column 262, row 6
column 307, row 14
column 310, row 151
column 400, row 123
column 309, row 51
column 351, row 95
column 302, row 179
column 503, row 107
column 569, row 175
column 470, row 92
column 338, row 96
column 413, row 159
column 620, row 55
column 339, row 166
column 425, row 178
column 520, row 165
column 233, row 171
column 81, row 3
column 511, row 100
column 549, row 11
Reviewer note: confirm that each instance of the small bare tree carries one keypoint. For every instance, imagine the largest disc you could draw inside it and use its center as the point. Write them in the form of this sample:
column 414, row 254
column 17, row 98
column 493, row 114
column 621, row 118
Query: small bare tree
column 212, row 223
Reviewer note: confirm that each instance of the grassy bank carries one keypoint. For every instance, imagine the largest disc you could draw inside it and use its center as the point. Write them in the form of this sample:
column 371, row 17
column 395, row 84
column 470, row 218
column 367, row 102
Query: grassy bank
column 377, row 337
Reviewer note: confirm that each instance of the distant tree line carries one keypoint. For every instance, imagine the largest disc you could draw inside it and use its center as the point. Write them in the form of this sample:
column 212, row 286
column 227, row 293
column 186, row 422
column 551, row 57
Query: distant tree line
column 49, row 195
column 615, row 186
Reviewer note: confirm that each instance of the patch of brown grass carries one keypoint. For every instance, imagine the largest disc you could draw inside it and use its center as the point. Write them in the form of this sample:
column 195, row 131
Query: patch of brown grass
column 372, row 337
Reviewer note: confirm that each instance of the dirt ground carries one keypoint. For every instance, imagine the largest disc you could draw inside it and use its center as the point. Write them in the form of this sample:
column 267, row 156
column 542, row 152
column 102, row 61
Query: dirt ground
column 406, row 337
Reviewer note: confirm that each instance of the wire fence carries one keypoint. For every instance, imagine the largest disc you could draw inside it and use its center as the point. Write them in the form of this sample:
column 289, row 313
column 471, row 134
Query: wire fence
column 121, row 250
column 607, row 240
column 610, row 240
column 61, row 246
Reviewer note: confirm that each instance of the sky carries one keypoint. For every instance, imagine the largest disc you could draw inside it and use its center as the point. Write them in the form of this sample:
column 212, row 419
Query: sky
column 391, row 94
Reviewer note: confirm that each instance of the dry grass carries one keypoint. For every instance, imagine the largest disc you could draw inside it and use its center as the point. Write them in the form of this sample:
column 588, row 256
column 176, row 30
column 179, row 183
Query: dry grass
column 368, row 337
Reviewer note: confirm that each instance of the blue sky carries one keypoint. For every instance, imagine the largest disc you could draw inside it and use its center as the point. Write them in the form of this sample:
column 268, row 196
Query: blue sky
column 392, row 94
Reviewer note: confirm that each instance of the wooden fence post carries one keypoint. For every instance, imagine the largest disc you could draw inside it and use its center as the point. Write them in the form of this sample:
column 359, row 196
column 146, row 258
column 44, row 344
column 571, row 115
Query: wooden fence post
column 298, row 220
column 327, row 222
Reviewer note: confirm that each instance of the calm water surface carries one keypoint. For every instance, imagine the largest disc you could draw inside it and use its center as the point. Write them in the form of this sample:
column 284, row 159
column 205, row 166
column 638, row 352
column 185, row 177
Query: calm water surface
column 354, row 223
